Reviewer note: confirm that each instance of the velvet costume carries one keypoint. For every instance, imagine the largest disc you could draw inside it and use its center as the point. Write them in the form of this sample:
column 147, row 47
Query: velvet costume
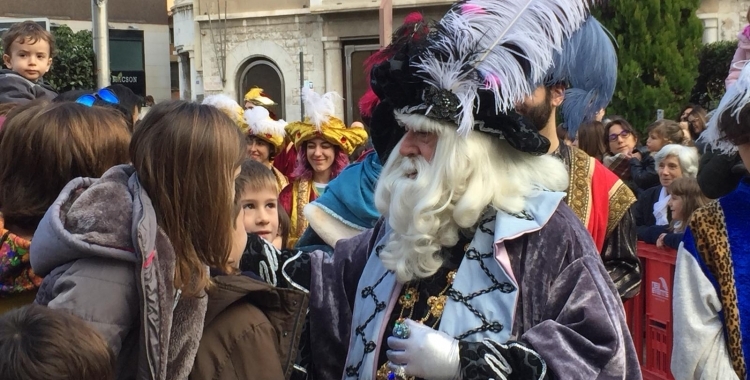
column 567, row 308
column 711, row 302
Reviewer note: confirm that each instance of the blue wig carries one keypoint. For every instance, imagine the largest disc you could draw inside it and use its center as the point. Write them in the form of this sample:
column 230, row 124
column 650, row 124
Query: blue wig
column 588, row 65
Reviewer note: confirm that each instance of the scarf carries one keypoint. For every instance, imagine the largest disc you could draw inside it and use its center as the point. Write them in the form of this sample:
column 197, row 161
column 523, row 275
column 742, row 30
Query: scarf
column 661, row 211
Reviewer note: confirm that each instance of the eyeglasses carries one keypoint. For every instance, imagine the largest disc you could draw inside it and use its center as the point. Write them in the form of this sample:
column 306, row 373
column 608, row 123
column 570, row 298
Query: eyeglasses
column 104, row 94
column 614, row 136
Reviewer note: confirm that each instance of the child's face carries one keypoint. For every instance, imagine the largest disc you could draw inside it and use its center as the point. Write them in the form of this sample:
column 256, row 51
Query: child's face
column 29, row 60
column 655, row 143
column 260, row 214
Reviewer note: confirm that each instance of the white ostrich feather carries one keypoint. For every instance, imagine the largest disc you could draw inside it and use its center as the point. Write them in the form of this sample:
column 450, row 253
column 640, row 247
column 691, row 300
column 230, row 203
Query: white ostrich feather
column 260, row 122
column 477, row 44
column 222, row 102
column 733, row 101
column 319, row 108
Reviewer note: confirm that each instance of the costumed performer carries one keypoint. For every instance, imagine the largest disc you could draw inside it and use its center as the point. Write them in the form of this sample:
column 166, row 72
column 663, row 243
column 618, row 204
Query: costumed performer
column 265, row 140
column 710, row 307
column 478, row 269
column 324, row 144
column 581, row 82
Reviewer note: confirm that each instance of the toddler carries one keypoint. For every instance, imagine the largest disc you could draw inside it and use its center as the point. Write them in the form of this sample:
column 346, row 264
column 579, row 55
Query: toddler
column 28, row 50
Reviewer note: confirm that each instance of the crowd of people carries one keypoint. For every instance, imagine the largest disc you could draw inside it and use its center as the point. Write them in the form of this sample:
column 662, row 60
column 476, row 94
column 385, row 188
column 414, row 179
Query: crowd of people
column 457, row 232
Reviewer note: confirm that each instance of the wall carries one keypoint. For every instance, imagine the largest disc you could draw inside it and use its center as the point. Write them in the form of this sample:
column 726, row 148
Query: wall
column 279, row 39
column 722, row 19
column 128, row 11
column 156, row 54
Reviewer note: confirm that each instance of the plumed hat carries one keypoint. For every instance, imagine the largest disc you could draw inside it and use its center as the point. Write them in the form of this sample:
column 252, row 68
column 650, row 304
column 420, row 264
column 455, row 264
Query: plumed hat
column 265, row 128
column 480, row 60
column 259, row 98
column 733, row 101
column 320, row 122
column 230, row 108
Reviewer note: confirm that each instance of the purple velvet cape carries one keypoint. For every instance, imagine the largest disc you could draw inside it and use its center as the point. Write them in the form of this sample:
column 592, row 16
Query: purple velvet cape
column 568, row 311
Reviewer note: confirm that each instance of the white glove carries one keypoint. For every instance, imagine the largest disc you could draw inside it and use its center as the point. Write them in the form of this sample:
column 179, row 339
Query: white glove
column 425, row 353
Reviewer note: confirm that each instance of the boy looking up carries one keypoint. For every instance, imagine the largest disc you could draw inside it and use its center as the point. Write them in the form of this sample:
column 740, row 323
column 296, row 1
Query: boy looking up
column 27, row 54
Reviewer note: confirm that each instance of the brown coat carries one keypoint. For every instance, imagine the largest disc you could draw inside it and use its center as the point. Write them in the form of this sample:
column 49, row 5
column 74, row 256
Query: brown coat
column 251, row 332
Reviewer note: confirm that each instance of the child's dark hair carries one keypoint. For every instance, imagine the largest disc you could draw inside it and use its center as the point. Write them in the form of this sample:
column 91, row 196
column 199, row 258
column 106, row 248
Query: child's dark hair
column 285, row 224
column 734, row 131
column 42, row 343
column 27, row 31
column 255, row 176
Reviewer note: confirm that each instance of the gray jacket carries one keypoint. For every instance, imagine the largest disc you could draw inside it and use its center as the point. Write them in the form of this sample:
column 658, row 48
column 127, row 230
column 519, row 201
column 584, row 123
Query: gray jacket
column 14, row 88
column 105, row 260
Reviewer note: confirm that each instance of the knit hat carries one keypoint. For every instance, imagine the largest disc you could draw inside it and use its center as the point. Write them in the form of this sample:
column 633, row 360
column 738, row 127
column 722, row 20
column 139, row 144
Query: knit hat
column 265, row 128
column 230, row 108
column 259, row 98
column 321, row 123
column 480, row 60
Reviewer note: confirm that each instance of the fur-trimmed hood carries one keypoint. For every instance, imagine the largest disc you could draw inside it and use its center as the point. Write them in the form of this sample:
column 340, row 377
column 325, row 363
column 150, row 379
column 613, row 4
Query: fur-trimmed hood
column 106, row 260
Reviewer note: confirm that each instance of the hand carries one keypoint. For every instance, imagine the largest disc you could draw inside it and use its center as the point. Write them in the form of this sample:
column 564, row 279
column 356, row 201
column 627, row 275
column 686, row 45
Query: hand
column 425, row 353
column 660, row 241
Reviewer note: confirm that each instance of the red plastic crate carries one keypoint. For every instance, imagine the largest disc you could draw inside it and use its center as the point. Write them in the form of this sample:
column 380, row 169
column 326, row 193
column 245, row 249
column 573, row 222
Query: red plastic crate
column 656, row 290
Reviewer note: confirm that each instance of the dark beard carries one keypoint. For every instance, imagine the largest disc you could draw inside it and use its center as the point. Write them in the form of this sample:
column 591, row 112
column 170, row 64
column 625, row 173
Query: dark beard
column 538, row 115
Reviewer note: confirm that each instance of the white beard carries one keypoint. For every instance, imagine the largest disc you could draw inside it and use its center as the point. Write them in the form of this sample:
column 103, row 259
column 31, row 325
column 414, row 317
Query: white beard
column 427, row 203
column 419, row 207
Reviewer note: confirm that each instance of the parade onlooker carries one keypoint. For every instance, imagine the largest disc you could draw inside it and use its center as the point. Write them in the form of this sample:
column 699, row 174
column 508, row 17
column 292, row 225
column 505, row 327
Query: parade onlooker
column 324, row 143
column 642, row 167
column 129, row 103
column 252, row 328
column 696, row 124
column 41, row 343
column 590, row 139
column 622, row 142
column 68, row 140
column 685, row 112
column 712, row 273
column 258, row 198
column 672, row 161
column 562, row 134
column 28, row 50
column 135, row 245
column 685, row 197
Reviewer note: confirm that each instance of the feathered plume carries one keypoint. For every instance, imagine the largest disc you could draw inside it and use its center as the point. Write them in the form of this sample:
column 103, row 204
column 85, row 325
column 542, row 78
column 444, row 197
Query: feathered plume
column 414, row 28
column 318, row 108
column 503, row 46
column 260, row 122
column 229, row 106
column 588, row 63
column 734, row 100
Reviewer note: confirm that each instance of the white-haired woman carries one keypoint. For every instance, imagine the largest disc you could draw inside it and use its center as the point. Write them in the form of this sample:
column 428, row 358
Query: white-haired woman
column 672, row 161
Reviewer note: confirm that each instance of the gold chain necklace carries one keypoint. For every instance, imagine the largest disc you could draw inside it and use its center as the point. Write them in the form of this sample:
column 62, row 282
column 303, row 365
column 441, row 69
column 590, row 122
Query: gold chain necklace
column 408, row 300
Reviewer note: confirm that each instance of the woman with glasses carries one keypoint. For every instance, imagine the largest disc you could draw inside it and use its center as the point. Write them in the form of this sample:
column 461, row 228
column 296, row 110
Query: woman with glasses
column 621, row 140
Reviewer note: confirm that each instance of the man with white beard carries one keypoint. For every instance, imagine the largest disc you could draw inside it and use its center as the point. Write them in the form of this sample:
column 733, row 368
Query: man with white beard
column 477, row 269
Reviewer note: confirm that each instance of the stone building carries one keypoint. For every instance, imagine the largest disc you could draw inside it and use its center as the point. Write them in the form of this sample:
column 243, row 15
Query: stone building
column 722, row 19
column 281, row 46
column 138, row 34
